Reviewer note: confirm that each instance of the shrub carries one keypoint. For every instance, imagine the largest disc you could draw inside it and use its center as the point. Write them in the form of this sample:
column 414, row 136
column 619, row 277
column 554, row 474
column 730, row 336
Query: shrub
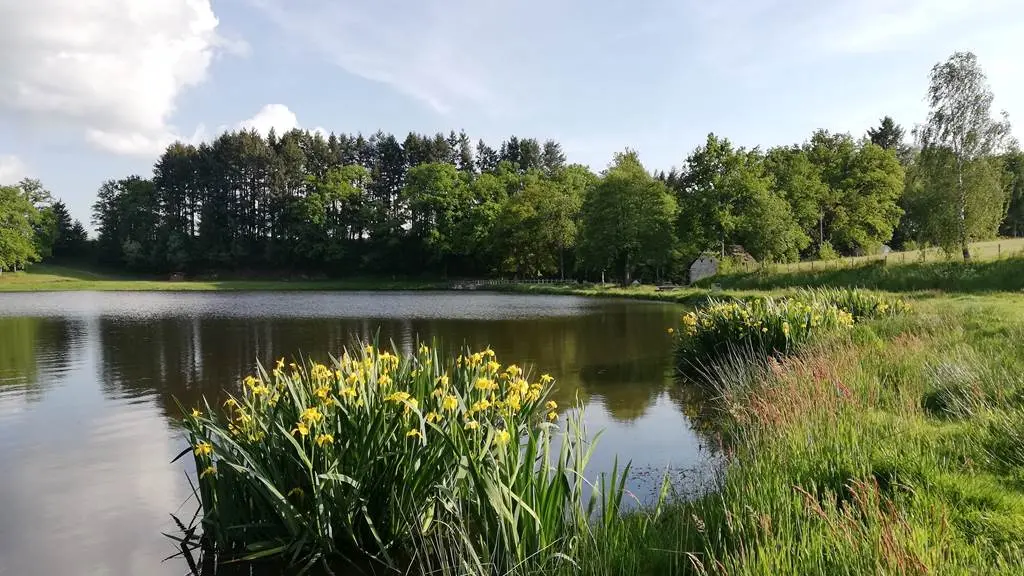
column 827, row 252
column 401, row 460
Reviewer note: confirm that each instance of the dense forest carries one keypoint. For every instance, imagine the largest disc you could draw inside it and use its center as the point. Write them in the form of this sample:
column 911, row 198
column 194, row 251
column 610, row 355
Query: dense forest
column 300, row 203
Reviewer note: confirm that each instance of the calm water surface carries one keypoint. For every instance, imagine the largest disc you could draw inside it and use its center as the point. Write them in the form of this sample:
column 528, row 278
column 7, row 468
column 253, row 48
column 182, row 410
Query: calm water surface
column 88, row 383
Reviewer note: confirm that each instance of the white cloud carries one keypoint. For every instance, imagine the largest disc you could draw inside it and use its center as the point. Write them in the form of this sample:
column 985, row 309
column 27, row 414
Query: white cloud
column 276, row 116
column 112, row 68
column 12, row 169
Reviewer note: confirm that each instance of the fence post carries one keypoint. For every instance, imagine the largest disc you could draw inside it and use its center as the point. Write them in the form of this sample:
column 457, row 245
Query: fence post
column 999, row 250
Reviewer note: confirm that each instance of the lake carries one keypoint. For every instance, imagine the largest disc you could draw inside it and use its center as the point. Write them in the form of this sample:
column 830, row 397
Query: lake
column 89, row 383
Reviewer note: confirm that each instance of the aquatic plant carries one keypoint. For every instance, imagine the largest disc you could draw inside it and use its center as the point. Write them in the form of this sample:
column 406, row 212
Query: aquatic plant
column 396, row 461
column 764, row 326
column 860, row 303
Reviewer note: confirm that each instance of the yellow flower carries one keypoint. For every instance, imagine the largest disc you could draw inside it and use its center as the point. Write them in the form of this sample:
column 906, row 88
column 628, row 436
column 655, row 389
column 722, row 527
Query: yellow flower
column 424, row 350
column 513, row 402
column 230, row 402
column 552, row 415
column 449, row 403
column 384, row 381
column 785, row 328
column 203, row 449
column 472, row 425
column 209, row 471
column 369, row 350
column 320, row 372
column 324, row 439
column 551, row 405
column 411, row 404
column 348, row 392
column 533, row 395
column 414, row 433
column 312, row 415
column 260, row 389
column 437, row 393
column 480, row 406
column 546, row 379
column 492, row 367
column 671, row 331
column 280, row 363
column 489, row 353
column 442, row 380
column 432, row 417
column 301, row 428
column 249, row 381
column 196, row 413
column 322, row 392
column 398, row 397
column 484, row 384
column 502, row 437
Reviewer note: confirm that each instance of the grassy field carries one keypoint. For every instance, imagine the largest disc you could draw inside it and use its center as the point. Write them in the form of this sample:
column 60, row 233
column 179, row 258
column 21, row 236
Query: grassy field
column 980, row 251
column 43, row 277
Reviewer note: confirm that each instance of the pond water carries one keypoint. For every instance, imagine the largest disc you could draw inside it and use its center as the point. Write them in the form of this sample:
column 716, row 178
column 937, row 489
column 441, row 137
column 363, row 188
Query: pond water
column 88, row 383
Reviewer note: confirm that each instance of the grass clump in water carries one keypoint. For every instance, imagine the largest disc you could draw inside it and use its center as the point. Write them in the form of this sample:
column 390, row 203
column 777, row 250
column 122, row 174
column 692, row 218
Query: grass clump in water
column 396, row 461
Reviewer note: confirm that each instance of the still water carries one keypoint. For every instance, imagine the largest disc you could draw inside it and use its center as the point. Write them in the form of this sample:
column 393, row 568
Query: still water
column 88, row 383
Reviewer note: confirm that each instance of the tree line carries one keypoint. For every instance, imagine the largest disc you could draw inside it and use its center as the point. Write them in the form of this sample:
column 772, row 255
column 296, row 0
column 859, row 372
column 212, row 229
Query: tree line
column 440, row 205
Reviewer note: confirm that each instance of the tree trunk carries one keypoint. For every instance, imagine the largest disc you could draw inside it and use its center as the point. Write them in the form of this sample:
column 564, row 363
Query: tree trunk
column 963, row 212
column 561, row 262
column 626, row 271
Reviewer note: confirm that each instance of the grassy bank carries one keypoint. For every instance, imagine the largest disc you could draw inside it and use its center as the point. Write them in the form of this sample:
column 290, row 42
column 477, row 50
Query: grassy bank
column 894, row 448
column 42, row 278
column 1003, row 275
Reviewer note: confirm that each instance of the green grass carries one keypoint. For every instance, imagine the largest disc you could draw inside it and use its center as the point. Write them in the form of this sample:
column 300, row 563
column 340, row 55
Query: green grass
column 987, row 250
column 45, row 277
column 1005, row 274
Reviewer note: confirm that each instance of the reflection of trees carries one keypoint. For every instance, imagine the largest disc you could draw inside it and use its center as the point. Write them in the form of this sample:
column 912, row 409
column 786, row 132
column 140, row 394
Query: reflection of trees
column 701, row 407
column 618, row 353
column 34, row 350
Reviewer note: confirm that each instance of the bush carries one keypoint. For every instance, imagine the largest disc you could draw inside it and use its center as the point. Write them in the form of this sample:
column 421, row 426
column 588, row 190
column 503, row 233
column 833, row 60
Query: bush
column 402, row 460
column 827, row 252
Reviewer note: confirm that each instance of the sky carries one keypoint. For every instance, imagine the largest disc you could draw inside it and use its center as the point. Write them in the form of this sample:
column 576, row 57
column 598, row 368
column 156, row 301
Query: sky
column 92, row 90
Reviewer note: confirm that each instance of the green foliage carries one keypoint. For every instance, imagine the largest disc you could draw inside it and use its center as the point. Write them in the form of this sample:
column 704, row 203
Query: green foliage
column 627, row 220
column 18, row 218
column 959, row 183
column 827, row 252
column 860, row 303
column 398, row 460
column 761, row 327
column 1013, row 165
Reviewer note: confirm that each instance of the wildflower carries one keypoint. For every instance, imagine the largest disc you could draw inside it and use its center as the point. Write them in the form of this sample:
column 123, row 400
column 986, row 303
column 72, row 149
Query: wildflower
column 546, row 379
column 411, row 404
column 348, row 392
column 196, row 413
column 437, row 393
column 480, row 406
column 369, row 350
column 320, row 372
column 449, row 403
column 324, row 439
column 414, row 433
column 398, row 397
column 249, row 381
column 260, row 389
column 280, row 364
column 203, row 449
column 442, row 380
column 492, row 367
column 209, row 471
column 322, row 392
column 302, row 429
column 552, row 415
column 312, row 415
column 424, row 350
column 296, row 492
column 513, row 402
column 432, row 417
column 502, row 437
column 489, row 353
column 671, row 331
column 533, row 395
column 384, row 381
column 472, row 425
column 230, row 402
column 484, row 384
column 513, row 371
column 785, row 328
column 551, row 405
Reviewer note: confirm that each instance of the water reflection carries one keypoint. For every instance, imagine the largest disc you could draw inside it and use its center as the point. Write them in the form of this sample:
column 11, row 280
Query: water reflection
column 88, row 384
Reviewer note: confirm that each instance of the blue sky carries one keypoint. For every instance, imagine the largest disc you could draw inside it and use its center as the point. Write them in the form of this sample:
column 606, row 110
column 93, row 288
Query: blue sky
column 91, row 90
